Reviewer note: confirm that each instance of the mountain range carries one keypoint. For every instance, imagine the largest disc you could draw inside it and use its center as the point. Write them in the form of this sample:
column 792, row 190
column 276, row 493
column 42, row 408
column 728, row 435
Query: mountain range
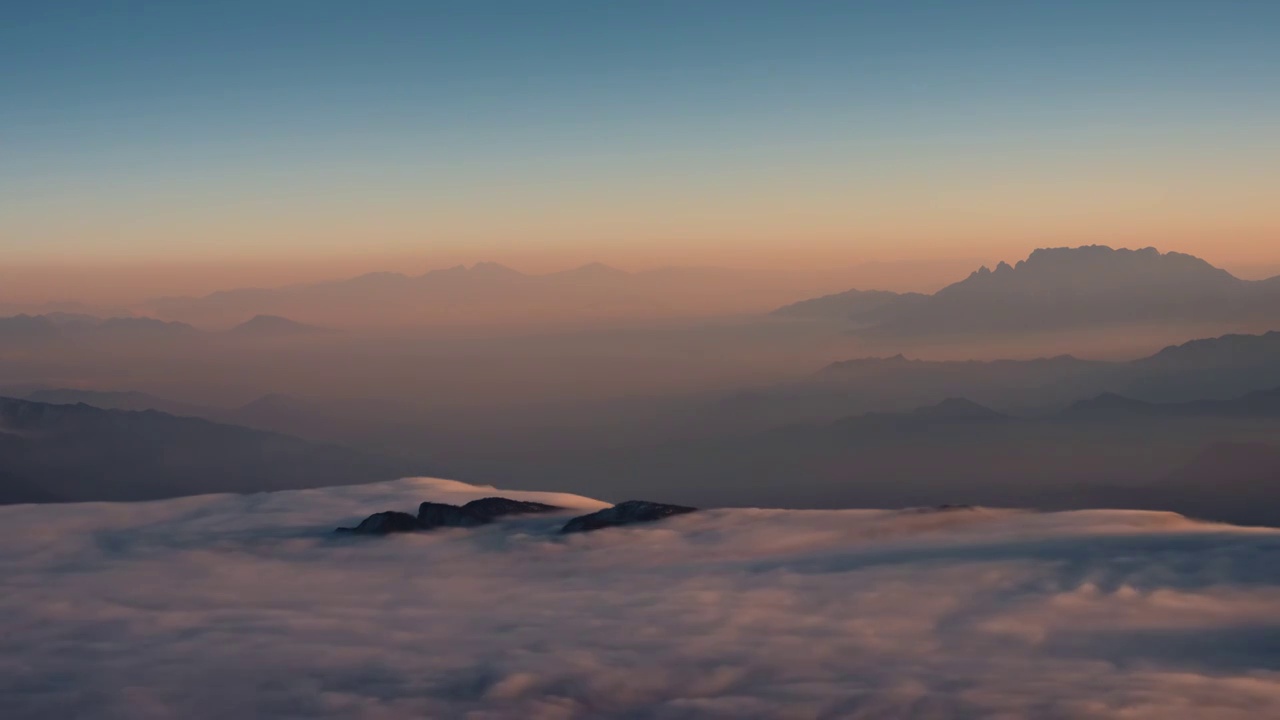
column 1055, row 289
column 1204, row 377
column 1213, row 369
column 1212, row 460
column 487, row 293
column 53, row 328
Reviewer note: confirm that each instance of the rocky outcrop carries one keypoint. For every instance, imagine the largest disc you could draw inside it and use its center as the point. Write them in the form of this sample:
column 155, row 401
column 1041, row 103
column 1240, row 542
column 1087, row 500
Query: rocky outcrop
column 627, row 513
column 433, row 515
column 383, row 523
column 477, row 512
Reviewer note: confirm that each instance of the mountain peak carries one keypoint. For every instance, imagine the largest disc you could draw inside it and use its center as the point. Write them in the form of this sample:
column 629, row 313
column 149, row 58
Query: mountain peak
column 273, row 326
column 1104, row 257
column 493, row 269
column 957, row 409
column 1090, row 286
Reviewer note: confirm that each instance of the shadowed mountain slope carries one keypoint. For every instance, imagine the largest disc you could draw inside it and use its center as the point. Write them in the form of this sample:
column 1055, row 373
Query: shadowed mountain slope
column 78, row 452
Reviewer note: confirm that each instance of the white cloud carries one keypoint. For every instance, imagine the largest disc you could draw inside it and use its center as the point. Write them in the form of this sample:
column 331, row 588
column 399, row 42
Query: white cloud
column 223, row 606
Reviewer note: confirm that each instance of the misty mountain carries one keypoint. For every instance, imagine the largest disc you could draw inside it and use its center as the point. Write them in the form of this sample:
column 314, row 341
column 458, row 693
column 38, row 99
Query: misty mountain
column 78, row 452
column 385, row 427
column 143, row 337
column 1217, row 368
column 959, row 452
column 25, row 328
column 273, row 326
column 131, row 400
column 1239, row 481
column 1258, row 404
column 1091, row 287
column 489, row 293
column 898, row 384
column 860, row 307
column 67, row 327
column 566, row 442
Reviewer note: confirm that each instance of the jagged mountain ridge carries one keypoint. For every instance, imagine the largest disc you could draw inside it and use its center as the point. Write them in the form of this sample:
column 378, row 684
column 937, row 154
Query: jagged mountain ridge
column 1055, row 289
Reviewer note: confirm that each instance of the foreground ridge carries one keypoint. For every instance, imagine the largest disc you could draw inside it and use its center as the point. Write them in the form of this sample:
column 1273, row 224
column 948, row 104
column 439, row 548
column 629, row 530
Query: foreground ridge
column 432, row 515
column 627, row 513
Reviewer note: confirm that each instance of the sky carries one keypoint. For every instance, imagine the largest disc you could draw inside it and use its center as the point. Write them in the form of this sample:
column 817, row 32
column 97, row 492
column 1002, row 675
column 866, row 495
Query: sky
column 325, row 138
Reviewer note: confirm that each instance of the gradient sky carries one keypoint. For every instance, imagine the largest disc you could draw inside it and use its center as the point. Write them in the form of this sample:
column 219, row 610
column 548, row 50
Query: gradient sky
column 637, row 133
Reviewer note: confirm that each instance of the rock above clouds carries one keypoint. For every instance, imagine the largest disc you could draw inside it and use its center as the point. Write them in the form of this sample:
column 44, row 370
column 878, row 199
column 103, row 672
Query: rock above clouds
column 627, row 513
column 433, row 515
column 384, row 523
column 476, row 512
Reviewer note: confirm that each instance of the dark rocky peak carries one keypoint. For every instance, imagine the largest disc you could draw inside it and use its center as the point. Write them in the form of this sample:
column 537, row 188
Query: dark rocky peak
column 477, row 512
column 495, row 507
column 1094, row 268
column 627, row 513
column 433, row 515
column 383, row 523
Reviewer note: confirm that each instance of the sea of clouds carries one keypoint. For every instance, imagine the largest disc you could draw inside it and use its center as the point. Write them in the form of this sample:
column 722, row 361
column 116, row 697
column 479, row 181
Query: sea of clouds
column 248, row 606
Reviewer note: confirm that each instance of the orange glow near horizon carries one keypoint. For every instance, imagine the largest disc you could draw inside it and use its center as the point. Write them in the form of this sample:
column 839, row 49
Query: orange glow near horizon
column 900, row 266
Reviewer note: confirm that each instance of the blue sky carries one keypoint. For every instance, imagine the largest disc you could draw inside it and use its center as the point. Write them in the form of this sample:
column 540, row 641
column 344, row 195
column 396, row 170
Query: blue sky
column 132, row 130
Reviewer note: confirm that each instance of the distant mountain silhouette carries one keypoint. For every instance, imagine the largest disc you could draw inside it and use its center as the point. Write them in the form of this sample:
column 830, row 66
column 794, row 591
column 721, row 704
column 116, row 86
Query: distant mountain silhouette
column 1223, row 367
column 487, row 293
column 1214, row 369
column 78, row 452
column 1257, row 404
column 1034, row 371
column 958, row 409
column 25, row 328
column 1234, row 350
column 940, row 417
column 272, row 326
column 362, row 423
column 110, row 400
column 1111, row 404
column 960, row 452
column 1089, row 287
column 861, row 307
column 77, row 327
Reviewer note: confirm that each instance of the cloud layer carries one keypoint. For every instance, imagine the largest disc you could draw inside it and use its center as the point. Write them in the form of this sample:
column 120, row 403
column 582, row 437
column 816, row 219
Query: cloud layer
column 222, row 606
